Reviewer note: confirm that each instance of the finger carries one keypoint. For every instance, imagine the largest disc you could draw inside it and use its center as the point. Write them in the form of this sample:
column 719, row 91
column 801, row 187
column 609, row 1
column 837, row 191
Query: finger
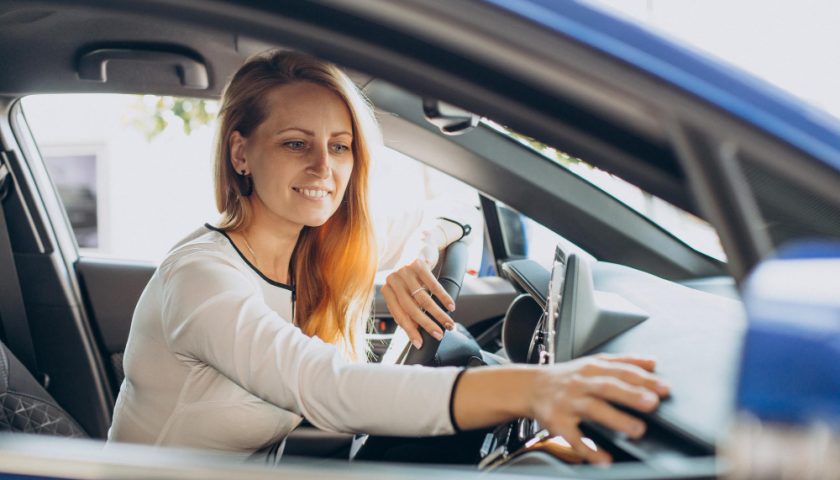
column 425, row 301
column 401, row 317
column 629, row 373
column 410, row 307
column 420, row 317
column 600, row 411
column 646, row 363
column 615, row 390
column 429, row 280
column 592, row 455
column 637, row 376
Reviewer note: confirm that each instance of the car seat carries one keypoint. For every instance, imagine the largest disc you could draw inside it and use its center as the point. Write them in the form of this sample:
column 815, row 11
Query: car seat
column 26, row 407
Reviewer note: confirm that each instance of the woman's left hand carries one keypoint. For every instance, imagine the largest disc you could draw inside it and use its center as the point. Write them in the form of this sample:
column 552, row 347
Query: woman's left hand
column 408, row 293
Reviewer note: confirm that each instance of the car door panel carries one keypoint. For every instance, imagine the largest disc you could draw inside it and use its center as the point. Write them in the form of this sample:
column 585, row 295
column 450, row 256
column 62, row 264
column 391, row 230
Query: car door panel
column 111, row 289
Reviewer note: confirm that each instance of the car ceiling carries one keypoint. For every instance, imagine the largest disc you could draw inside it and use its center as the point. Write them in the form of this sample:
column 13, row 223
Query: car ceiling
column 49, row 62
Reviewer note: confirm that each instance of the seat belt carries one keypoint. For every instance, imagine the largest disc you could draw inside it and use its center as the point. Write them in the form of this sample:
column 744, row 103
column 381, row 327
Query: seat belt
column 12, row 311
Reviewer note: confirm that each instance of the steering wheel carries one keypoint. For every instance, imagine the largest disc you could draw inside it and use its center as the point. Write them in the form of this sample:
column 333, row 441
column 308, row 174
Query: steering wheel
column 453, row 267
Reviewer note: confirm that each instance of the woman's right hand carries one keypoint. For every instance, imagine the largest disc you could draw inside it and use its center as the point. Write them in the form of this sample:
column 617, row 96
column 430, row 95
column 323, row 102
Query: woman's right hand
column 586, row 389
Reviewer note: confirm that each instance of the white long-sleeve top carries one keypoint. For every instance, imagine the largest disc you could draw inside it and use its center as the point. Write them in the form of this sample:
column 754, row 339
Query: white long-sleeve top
column 214, row 361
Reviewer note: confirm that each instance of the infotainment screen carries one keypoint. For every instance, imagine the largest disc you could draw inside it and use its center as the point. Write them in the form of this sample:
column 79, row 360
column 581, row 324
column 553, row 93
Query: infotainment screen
column 578, row 317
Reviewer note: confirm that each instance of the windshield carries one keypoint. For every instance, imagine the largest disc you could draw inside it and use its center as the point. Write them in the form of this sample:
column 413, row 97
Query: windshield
column 695, row 232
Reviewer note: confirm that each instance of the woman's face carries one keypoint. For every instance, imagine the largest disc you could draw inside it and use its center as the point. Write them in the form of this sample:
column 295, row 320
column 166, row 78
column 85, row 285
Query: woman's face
column 301, row 156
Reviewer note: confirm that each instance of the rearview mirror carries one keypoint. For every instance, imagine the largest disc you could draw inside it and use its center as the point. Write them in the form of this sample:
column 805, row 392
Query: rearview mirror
column 449, row 119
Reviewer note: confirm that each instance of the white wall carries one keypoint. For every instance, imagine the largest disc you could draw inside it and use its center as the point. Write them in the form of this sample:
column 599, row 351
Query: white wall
column 791, row 44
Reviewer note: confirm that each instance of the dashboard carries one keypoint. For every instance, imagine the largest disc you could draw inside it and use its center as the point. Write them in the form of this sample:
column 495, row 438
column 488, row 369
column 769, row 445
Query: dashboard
column 580, row 307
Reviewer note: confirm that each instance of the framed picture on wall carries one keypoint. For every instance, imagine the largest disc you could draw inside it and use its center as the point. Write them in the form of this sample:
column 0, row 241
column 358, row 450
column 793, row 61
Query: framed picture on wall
column 77, row 172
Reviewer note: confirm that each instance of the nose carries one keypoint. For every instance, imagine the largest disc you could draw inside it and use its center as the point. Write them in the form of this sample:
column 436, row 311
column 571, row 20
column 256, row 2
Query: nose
column 319, row 165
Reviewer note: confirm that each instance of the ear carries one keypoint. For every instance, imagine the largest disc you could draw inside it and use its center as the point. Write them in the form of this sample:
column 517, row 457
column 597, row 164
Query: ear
column 237, row 152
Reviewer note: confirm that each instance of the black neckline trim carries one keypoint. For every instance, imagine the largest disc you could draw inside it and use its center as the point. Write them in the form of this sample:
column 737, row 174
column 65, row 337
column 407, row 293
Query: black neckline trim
column 254, row 268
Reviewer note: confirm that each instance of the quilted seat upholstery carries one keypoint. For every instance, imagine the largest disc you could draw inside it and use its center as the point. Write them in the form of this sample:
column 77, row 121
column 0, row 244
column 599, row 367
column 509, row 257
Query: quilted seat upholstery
column 26, row 407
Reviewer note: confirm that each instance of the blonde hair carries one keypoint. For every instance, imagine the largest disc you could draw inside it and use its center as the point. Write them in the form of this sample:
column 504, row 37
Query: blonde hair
column 333, row 265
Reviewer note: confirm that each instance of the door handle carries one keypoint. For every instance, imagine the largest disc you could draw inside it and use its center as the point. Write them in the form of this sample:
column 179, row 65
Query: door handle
column 93, row 66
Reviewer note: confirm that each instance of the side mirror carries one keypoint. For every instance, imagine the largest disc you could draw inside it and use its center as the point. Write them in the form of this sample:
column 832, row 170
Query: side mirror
column 789, row 385
column 449, row 119
column 789, row 364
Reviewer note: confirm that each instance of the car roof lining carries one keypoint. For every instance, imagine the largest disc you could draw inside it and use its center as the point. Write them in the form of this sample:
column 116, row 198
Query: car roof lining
column 49, row 64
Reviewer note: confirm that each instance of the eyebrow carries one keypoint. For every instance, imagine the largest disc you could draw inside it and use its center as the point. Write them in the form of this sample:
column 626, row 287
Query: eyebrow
column 311, row 133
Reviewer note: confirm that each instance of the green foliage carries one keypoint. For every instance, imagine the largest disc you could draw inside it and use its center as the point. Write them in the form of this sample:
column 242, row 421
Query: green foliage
column 558, row 156
column 151, row 114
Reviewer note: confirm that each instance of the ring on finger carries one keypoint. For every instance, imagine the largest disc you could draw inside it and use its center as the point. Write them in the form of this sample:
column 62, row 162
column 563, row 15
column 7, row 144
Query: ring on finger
column 418, row 290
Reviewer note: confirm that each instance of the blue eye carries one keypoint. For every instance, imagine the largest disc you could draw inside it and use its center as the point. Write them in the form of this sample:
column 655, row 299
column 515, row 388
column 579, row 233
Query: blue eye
column 341, row 148
column 295, row 144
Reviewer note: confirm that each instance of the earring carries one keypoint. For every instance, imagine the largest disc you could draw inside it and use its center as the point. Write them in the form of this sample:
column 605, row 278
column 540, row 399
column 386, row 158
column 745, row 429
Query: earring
column 245, row 184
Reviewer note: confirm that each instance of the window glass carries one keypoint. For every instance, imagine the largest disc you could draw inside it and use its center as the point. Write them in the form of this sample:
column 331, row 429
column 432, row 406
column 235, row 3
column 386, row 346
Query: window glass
column 531, row 239
column 135, row 175
column 406, row 193
column 692, row 230
column 147, row 178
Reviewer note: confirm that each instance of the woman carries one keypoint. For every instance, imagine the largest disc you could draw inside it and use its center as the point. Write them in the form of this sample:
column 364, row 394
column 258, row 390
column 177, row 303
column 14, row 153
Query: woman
column 250, row 325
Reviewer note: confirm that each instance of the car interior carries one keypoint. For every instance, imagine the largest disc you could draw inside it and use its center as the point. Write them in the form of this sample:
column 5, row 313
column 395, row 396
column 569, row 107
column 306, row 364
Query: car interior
column 618, row 282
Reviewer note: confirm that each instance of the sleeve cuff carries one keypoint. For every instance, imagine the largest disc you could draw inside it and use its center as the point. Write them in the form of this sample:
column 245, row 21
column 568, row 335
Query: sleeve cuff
column 465, row 228
column 455, row 426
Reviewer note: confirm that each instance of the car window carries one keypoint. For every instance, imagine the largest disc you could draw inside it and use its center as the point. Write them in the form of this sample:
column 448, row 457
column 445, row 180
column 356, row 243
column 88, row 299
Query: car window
column 134, row 174
column 695, row 232
column 525, row 237
column 403, row 190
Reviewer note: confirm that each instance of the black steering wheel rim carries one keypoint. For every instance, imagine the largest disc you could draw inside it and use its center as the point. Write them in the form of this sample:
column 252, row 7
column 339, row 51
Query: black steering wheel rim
column 451, row 272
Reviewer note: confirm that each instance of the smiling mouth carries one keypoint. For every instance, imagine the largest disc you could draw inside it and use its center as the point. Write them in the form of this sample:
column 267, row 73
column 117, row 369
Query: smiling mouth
column 312, row 193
